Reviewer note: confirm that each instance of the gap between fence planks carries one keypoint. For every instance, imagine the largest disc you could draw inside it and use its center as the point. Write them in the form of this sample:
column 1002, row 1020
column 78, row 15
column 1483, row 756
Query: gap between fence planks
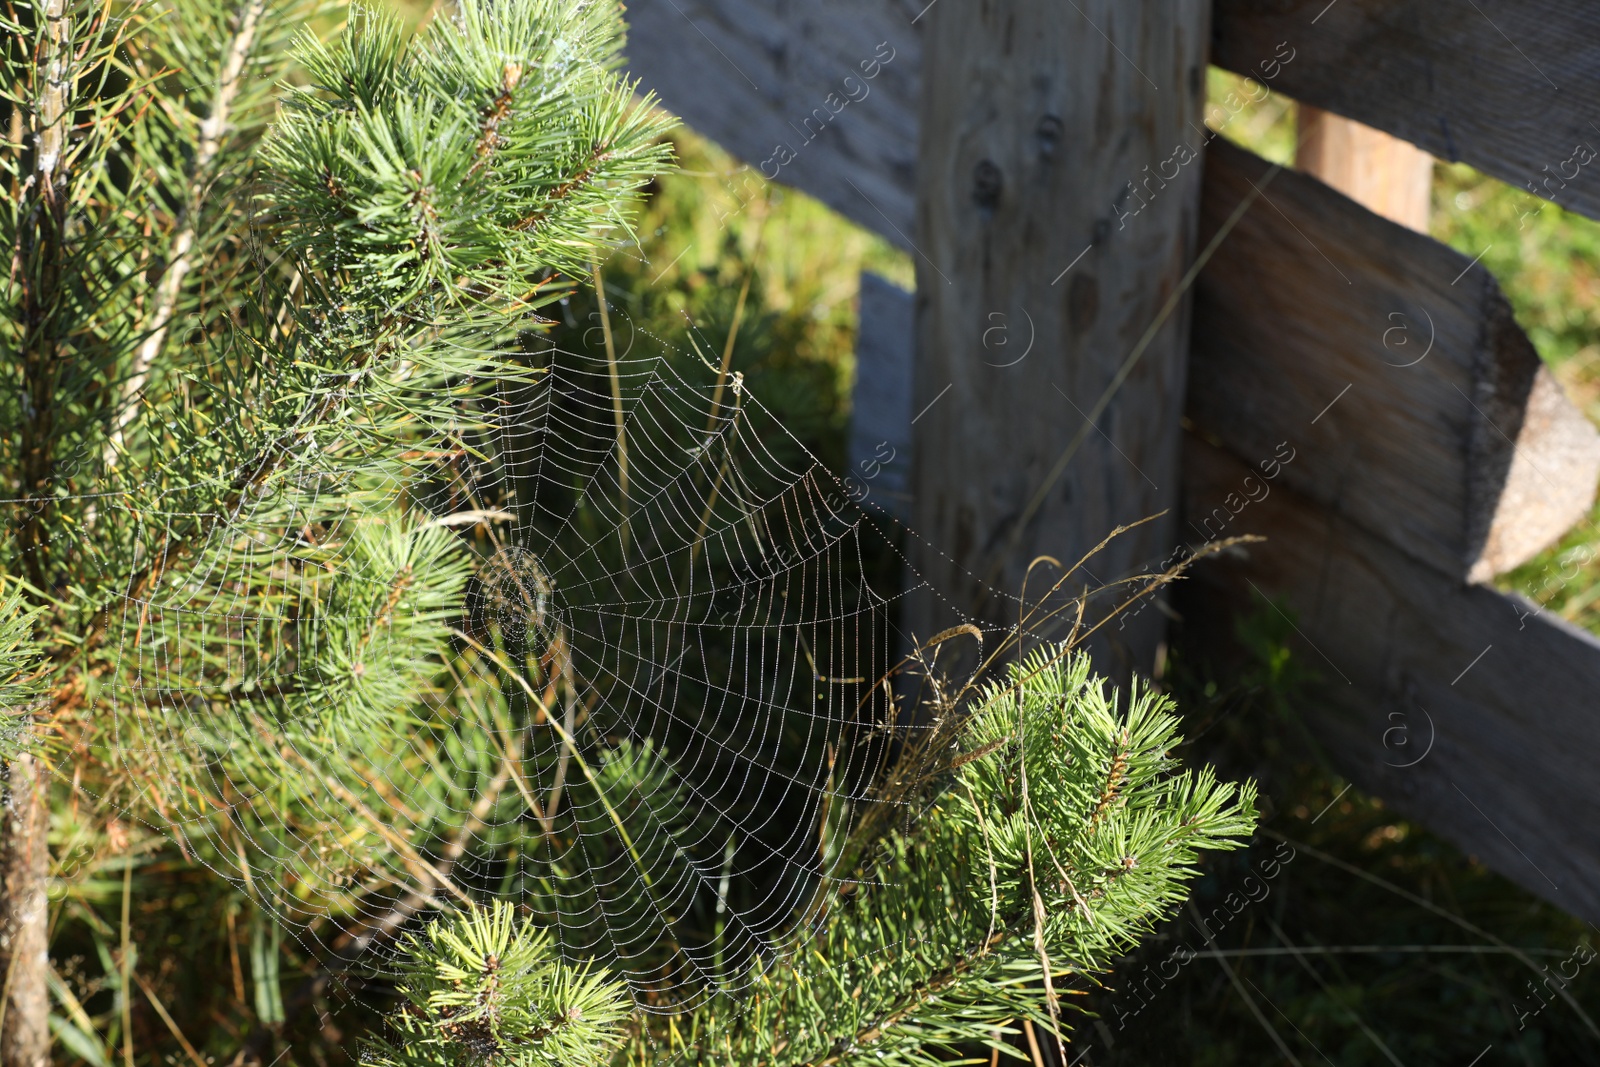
column 1392, row 365
column 1499, row 696
column 1508, row 87
column 879, row 447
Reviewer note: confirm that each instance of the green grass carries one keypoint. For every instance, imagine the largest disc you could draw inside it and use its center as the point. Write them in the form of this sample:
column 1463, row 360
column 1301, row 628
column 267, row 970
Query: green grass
column 712, row 224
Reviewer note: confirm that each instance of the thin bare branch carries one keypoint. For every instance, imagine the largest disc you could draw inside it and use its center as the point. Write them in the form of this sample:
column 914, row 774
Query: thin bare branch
column 181, row 260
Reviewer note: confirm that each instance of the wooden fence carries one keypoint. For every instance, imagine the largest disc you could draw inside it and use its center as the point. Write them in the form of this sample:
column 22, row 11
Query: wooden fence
column 1351, row 389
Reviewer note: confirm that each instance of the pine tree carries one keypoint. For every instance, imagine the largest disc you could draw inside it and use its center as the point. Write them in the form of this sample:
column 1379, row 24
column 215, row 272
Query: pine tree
column 251, row 324
column 229, row 359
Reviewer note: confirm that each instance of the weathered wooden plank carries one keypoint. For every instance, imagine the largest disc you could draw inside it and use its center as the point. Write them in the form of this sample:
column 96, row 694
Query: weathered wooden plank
column 1508, row 87
column 1280, row 336
column 880, row 412
column 1391, row 638
column 750, row 73
column 821, row 96
column 1383, row 174
column 1467, row 709
column 1032, row 298
column 1392, row 364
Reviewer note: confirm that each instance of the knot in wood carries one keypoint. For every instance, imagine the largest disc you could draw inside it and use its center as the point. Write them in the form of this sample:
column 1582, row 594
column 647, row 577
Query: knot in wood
column 1048, row 132
column 986, row 183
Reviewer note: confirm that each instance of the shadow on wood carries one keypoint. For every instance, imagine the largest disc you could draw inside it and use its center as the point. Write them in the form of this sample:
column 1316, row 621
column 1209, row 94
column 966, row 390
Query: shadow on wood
column 1495, row 699
column 1052, row 328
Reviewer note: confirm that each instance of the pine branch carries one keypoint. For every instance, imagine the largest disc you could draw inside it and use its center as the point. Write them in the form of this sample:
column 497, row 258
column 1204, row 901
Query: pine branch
column 922, row 994
column 482, row 988
column 599, row 155
column 1116, row 776
column 423, row 868
column 472, row 164
column 183, row 245
column 921, row 957
column 489, row 130
column 353, row 944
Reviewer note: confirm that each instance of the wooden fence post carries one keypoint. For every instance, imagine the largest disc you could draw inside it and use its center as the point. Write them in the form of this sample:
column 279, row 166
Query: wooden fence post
column 1383, row 174
column 1058, row 188
column 1422, row 447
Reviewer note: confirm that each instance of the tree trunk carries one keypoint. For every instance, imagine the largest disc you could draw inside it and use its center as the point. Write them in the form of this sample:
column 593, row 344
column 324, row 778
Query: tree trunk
column 24, row 848
column 24, row 917
column 1059, row 184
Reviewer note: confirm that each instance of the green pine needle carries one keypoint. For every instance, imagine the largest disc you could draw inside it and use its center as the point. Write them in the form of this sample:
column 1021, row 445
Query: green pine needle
column 482, row 987
column 470, row 164
column 933, row 945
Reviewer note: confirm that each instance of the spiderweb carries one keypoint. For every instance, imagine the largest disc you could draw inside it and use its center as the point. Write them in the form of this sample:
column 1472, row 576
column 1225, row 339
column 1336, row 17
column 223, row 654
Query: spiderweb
column 662, row 701
column 600, row 637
